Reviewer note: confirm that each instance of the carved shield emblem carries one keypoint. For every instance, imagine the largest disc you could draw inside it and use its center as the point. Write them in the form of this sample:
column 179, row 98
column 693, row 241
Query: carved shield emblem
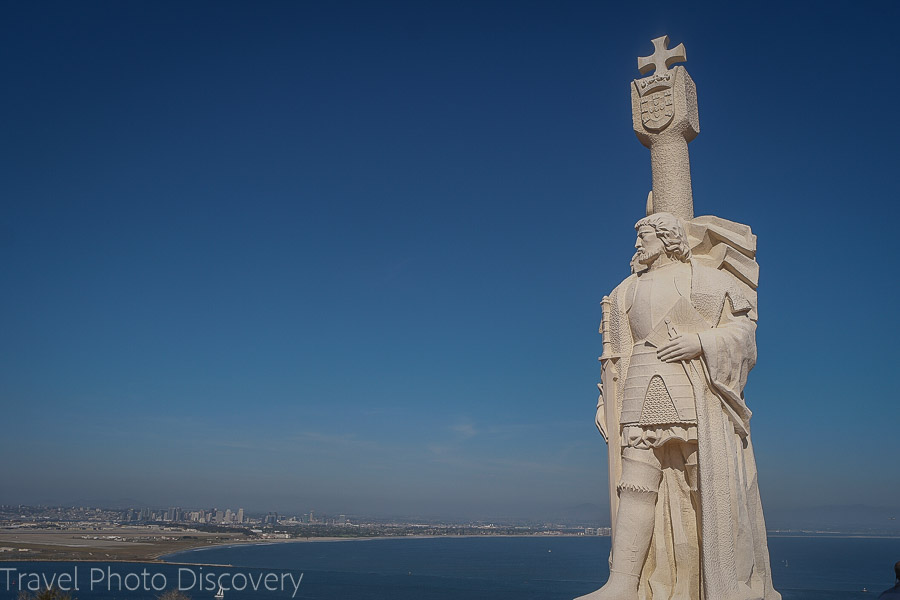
column 657, row 110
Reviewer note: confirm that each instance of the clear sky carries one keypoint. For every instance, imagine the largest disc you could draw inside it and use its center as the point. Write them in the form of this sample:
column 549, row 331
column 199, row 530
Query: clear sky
column 349, row 256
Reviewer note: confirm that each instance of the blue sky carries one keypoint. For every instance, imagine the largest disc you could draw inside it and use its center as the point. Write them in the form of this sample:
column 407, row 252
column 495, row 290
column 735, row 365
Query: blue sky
column 349, row 256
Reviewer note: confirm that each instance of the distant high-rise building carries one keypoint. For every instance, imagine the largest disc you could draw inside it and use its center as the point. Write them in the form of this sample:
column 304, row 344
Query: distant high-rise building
column 220, row 517
column 229, row 516
column 240, row 515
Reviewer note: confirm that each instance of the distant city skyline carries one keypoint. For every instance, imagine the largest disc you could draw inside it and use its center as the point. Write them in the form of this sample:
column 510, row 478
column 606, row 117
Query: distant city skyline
column 350, row 255
column 855, row 519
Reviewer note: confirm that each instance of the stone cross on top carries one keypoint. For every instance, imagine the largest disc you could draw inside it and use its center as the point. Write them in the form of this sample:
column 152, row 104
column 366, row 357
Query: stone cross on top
column 662, row 58
column 665, row 119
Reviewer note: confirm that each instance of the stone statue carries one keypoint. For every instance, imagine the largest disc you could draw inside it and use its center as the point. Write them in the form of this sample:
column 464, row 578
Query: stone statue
column 678, row 344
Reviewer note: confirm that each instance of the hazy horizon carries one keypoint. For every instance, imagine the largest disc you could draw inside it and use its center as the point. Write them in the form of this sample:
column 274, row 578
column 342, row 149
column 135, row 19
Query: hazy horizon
column 878, row 519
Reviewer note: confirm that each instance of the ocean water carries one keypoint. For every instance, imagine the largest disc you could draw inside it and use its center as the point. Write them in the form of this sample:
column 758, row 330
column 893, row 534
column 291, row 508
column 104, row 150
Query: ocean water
column 443, row 568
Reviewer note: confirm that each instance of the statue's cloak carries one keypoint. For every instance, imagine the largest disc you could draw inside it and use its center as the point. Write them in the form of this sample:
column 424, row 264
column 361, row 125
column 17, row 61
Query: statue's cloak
column 734, row 557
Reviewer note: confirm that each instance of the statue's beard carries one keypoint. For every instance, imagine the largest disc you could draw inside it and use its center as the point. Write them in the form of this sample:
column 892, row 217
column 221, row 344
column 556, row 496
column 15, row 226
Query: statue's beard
column 646, row 258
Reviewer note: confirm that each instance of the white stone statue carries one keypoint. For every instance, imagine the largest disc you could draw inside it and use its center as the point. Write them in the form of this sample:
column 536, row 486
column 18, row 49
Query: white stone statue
column 678, row 344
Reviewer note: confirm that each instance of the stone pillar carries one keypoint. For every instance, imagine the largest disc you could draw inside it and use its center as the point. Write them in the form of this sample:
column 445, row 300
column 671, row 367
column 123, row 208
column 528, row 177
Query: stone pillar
column 665, row 118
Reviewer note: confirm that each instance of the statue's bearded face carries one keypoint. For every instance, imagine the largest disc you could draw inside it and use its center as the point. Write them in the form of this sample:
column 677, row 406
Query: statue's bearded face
column 649, row 246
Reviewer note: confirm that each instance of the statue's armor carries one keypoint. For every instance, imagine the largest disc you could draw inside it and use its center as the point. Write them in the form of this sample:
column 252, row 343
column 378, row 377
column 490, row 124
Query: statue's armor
column 657, row 392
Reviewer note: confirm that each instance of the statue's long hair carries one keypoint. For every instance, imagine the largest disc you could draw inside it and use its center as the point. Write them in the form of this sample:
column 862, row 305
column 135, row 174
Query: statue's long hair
column 670, row 231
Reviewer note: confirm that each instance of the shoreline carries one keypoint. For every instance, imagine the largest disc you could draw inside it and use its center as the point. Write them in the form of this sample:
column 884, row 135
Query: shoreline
column 57, row 547
column 155, row 555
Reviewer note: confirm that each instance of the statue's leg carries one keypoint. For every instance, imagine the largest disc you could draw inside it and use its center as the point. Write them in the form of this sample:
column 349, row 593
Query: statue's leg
column 676, row 573
column 638, row 490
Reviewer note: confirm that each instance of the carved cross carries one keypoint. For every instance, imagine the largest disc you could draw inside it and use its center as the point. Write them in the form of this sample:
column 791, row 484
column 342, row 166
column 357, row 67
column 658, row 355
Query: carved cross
column 662, row 58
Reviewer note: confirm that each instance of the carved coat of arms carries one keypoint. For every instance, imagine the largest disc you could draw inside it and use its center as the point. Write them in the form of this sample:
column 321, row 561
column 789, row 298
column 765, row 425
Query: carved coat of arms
column 657, row 109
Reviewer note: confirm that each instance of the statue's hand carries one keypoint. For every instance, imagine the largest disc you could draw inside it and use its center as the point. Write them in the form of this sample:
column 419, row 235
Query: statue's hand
column 681, row 347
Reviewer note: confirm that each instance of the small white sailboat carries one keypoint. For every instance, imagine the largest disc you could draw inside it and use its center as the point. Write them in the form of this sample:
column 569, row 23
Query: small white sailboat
column 220, row 594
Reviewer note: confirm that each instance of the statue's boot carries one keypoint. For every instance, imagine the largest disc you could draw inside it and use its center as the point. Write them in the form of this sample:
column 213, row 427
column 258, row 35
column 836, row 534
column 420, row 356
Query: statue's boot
column 635, row 517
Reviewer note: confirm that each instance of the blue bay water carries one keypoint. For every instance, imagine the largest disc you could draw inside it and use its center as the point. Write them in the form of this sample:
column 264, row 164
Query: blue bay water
column 521, row 568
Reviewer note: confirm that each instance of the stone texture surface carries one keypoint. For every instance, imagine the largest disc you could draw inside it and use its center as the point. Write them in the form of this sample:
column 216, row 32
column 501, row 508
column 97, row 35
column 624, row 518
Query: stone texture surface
column 679, row 340
column 665, row 118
